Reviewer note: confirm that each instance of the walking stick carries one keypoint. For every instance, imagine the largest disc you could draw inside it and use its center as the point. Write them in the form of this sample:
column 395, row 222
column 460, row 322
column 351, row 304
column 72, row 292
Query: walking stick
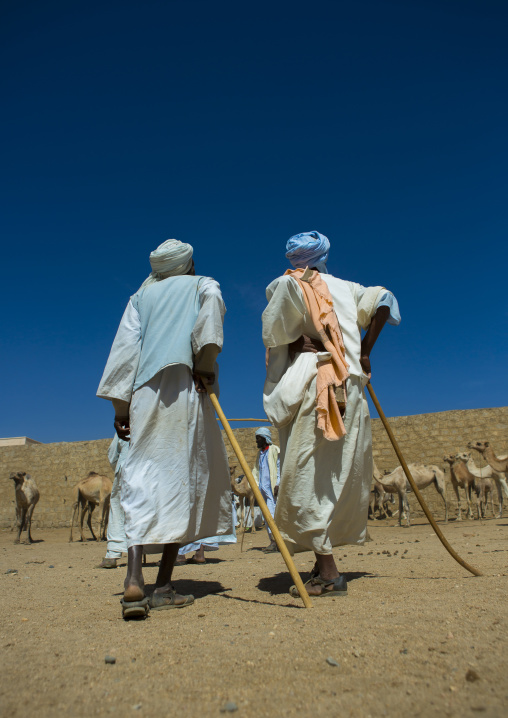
column 418, row 495
column 261, row 502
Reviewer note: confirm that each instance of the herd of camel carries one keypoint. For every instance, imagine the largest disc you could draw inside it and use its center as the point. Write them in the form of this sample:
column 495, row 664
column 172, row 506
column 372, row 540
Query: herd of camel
column 464, row 474
column 94, row 491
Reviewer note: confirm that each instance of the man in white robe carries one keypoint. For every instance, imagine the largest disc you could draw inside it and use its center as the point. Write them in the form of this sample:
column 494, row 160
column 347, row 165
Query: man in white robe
column 175, row 479
column 266, row 472
column 324, row 488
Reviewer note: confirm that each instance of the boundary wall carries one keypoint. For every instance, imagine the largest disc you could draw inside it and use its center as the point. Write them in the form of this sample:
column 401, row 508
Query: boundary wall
column 423, row 438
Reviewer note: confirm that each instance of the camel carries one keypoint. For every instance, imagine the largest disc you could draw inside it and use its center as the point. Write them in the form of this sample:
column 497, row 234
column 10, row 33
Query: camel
column 486, row 472
column 498, row 463
column 27, row 495
column 94, row 490
column 461, row 477
column 423, row 476
column 396, row 483
column 243, row 491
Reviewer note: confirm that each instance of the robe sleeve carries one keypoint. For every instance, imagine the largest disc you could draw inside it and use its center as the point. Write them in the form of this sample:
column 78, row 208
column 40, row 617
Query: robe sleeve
column 207, row 336
column 369, row 299
column 120, row 373
column 283, row 318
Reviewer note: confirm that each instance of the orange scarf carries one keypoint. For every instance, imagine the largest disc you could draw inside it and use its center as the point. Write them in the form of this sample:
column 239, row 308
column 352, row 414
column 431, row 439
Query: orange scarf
column 332, row 373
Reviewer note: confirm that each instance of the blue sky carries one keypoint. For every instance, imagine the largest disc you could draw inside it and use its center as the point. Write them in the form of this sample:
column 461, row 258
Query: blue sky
column 233, row 126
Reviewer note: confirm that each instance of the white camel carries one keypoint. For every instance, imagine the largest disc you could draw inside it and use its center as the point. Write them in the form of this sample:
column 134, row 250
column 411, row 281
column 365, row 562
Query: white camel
column 498, row 463
column 27, row 495
column 485, row 472
column 424, row 475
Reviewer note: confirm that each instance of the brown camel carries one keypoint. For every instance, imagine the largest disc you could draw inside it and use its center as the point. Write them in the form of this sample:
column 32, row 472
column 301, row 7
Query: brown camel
column 243, row 490
column 461, row 477
column 94, row 490
column 486, row 472
column 498, row 463
column 27, row 495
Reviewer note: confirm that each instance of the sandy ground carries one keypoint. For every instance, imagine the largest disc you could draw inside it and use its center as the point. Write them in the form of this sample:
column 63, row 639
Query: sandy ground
column 412, row 627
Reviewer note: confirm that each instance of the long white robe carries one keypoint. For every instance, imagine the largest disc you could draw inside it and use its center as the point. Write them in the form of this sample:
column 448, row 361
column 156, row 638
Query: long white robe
column 175, row 480
column 324, row 487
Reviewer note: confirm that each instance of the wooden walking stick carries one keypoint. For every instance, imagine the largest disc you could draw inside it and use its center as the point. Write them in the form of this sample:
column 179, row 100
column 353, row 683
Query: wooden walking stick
column 418, row 495
column 261, row 502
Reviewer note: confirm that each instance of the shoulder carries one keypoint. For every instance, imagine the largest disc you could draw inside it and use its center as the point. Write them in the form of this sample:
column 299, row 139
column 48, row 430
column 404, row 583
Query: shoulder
column 283, row 283
column 274, row 449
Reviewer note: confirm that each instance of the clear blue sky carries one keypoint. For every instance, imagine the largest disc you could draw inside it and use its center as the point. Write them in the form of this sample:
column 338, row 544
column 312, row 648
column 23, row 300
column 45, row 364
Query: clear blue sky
column 233, row 125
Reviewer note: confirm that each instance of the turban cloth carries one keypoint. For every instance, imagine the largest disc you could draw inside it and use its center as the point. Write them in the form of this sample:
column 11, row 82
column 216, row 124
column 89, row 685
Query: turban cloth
column 308, row 249
column 265, row 433
column 170, row 259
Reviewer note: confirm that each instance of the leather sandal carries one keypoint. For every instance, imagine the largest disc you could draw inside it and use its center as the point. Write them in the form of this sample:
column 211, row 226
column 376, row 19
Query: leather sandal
column 339, row 587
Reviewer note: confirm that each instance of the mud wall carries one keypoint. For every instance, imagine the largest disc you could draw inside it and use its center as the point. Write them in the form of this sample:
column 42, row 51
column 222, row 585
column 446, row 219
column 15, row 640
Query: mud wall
column 423, row 438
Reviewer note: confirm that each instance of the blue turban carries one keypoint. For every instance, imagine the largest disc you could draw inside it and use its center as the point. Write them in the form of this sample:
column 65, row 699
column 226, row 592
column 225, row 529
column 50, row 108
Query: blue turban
column 308, row 249
column 265, row 433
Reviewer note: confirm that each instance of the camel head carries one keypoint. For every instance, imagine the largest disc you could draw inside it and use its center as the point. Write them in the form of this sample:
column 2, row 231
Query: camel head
column 464, row 456
column 478, row 445
column 449, row 458
column 18, row 478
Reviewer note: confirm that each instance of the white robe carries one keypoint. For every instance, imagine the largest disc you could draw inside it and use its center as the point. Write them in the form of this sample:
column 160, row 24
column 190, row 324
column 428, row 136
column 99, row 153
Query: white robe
column 324, row 488
column 175, row 480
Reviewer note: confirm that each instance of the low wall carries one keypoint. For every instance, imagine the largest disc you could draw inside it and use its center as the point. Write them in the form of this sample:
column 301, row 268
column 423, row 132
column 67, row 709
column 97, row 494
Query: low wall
column 423, row 438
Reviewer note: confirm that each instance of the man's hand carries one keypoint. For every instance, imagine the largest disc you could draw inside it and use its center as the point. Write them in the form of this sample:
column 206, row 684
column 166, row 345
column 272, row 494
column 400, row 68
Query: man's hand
column 198, row 382
column 275, row 491
column 305, row 344
column 365, row 364
column 122, row 427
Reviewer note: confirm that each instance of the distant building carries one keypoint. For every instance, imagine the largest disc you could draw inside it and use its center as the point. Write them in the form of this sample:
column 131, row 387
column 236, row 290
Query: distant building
column 18, row 441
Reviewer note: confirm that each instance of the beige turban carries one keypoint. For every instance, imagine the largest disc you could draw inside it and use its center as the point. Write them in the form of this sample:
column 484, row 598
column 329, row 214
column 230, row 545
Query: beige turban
column 170, row 259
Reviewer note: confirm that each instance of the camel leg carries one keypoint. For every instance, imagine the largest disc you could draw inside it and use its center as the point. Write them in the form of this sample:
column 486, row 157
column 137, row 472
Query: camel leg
column 73, row 515
column 91, row 509
column 83, row 508
column 401, row 507
column 499, row 500
column 441, row 492
column 467, row 491
column 408, row 512
column 29, row 523
column 21, row 524
column 459, row 509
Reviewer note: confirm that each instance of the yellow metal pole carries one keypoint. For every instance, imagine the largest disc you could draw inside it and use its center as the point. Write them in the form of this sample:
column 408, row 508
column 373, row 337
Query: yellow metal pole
column 261, row 502
column 418, row 495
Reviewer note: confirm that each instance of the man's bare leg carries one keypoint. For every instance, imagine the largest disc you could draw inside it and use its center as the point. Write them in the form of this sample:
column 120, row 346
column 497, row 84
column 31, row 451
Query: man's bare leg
column 163, row 582
column 134, row 584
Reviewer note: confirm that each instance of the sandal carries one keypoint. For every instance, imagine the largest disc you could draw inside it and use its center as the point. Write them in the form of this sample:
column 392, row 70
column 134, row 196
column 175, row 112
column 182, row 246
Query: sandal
column 162, row 601
column 135, row 609
column 339, row 587
column 271, row 549
column 194, row 560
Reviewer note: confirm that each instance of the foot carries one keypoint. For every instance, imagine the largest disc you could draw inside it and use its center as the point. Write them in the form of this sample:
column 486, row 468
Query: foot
column 180, row 561
column 133, row 592
column 272, row 548
column 197, row 559
column 107, row 563
column 166, row 596
column 318, row 589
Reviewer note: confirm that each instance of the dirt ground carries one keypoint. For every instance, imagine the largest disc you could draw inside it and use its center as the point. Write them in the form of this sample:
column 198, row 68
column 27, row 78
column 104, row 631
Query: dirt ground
column 414, row 627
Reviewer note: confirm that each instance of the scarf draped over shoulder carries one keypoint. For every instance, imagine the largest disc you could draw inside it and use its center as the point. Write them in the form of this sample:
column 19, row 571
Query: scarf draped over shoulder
column 331, row 373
